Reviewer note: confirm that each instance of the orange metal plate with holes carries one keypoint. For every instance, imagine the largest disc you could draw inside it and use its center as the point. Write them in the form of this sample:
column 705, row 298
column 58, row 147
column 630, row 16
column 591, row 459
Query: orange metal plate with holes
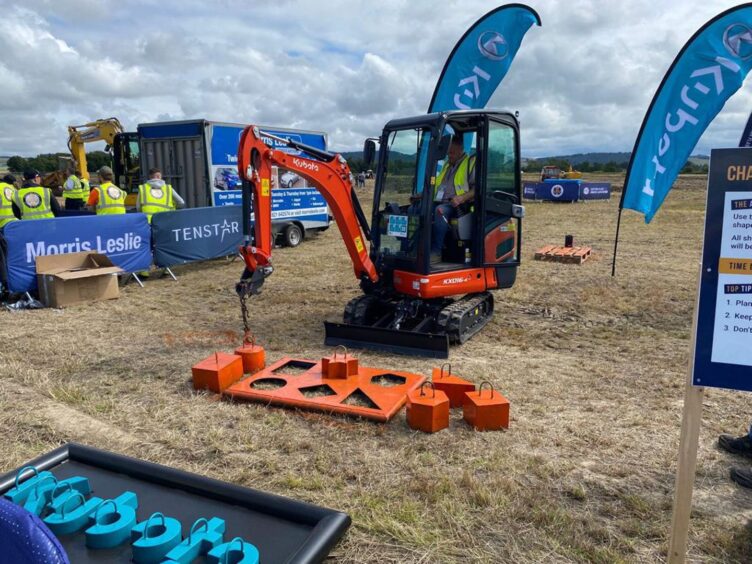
column 360, row 395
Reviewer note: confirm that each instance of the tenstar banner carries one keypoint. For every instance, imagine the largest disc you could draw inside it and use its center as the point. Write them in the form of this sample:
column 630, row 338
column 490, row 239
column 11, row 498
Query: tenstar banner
column 196, row 234
column 481, row 58
column 707, row 71
column 126, row 239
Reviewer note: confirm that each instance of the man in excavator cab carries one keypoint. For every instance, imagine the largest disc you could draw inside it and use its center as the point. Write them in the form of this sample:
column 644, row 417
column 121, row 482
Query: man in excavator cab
column 453, row 191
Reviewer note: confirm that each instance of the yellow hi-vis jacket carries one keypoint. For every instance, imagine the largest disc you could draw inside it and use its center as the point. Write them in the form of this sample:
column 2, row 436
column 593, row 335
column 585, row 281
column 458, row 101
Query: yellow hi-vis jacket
column 34, row 202
column 461, row 175
column 7, row 191
column 76, row 188
column 155, row 199
column 111, row 199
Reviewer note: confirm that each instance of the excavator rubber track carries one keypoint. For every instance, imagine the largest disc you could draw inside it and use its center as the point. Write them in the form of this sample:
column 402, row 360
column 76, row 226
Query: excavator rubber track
column 367, row 321
column 465, row 317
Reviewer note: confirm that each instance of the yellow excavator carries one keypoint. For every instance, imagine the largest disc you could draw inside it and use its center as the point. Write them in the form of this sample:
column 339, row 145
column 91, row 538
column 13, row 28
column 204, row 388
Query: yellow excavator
column 112, row 132
column 79, row 135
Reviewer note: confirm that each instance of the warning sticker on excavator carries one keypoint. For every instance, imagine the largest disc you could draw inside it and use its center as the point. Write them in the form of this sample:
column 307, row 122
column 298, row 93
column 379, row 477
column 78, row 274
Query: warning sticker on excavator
column 264, row 186
column 359, row 244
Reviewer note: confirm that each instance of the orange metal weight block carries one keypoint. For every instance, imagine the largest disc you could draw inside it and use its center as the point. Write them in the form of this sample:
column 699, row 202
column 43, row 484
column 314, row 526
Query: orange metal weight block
column 453, row 386
column 339, row 367
column 218, row 372
column 486, row 412
column 427, row 413
column 253, row 355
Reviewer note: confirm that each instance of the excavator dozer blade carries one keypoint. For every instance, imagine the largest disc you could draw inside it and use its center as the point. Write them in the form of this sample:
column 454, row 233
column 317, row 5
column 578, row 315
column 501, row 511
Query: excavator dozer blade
column 393, row 341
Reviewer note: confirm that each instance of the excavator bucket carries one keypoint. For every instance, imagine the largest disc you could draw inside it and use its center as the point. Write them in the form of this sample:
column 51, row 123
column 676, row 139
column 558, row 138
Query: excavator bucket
column 413, row 343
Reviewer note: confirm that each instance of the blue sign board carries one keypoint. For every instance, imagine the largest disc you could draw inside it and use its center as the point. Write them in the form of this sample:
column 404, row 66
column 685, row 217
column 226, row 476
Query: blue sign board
column 125, row 239
column 723, row 355
column 595, row 190
column 558, row 190
column 224, row 159
column 196, row 234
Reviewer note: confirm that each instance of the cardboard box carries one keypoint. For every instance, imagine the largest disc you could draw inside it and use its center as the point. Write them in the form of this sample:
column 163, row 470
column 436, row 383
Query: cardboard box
column 76, row 278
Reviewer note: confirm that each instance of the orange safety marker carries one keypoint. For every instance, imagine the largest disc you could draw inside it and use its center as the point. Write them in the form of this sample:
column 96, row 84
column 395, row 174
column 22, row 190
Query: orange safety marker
column 486, row 412
column 253, row 355
column 427, row 413
column 342, row 367
column 453, row 386
column 373, row 393
column 217, row 372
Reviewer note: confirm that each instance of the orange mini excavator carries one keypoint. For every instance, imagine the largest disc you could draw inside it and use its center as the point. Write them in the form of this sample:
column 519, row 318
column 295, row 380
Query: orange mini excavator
column 415, row 300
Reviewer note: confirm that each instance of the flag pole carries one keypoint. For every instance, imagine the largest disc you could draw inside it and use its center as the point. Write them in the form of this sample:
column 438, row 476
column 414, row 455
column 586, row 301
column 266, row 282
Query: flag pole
column 616, row 241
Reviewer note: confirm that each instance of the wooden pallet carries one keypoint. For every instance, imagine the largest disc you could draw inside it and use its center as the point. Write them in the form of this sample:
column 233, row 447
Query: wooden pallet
column 572, row 255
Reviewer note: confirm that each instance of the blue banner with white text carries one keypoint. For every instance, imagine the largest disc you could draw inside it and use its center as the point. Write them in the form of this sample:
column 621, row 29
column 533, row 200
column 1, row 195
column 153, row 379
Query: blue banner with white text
column 196, row 234
column 708, row 70
column 481, row 58
column 125, row 239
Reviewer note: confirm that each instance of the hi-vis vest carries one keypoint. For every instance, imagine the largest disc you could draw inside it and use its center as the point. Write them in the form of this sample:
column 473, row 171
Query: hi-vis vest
column 7, row 191
column 111, row 199
column 34, row 202
column 461, row 184
column 155, row 199
column 80, row 190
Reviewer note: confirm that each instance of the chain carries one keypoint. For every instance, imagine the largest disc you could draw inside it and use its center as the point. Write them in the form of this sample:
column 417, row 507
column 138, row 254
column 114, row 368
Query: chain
column 244, row 311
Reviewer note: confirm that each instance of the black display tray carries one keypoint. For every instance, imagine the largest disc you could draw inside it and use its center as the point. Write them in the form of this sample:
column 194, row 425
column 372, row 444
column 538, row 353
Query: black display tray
column 283, row 530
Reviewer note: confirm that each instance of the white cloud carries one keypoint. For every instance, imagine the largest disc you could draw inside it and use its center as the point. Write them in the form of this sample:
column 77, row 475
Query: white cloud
column 581, row 82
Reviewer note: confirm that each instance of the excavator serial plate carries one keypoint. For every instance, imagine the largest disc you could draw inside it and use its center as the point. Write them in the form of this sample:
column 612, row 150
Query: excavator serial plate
column 372, row 393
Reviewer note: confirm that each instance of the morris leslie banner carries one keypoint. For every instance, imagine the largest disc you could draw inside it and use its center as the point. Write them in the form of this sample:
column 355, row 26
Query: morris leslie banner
column 707, row 71
column 126, row 239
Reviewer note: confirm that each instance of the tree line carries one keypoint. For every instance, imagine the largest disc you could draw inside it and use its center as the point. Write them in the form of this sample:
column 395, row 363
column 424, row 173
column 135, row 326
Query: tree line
column 48, row 162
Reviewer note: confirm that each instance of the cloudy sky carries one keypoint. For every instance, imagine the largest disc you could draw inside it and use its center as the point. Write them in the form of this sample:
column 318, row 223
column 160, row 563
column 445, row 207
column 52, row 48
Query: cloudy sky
column 581, row 83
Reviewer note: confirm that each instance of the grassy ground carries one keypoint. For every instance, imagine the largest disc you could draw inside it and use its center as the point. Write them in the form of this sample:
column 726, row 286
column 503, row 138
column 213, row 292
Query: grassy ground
column 594, row 367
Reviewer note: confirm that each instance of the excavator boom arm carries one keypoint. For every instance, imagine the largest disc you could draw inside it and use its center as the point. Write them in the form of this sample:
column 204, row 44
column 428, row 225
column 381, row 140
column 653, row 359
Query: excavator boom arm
column 329, row 173
column 79, row 135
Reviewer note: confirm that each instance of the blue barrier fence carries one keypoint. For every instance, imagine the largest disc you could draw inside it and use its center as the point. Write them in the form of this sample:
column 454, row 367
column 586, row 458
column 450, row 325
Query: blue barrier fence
column 178, row 237
column 566, row 190
column 196, row 234
column 126, row 239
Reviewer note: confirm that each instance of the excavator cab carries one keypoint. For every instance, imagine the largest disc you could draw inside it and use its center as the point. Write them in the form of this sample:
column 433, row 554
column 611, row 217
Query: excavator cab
column 408, row 192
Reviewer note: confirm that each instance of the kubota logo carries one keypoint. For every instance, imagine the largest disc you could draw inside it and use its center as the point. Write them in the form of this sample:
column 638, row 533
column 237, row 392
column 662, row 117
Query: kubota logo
column 738, row 40
column 305, row 164
column 492, row 45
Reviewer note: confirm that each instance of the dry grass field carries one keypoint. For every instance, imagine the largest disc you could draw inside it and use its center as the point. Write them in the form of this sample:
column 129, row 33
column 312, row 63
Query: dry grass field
column 594, row 367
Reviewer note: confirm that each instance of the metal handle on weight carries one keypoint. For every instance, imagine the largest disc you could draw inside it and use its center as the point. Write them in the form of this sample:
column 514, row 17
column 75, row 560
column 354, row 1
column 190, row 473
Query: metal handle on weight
column 480, row 388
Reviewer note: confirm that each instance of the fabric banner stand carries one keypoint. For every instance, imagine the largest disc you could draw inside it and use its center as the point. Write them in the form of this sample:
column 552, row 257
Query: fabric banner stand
column 125, row 239
column 196, row 234
column 566, row 192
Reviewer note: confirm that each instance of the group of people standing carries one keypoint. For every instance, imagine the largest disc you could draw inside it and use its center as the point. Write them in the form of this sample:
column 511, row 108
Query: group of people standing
column 34, row 201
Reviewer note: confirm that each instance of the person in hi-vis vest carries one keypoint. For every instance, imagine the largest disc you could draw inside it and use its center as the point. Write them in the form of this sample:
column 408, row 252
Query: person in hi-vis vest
column 156, row 196
column 75, row 190
column 106, row 199
column 8, row 210
column 35, row 201
column 455, row 185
